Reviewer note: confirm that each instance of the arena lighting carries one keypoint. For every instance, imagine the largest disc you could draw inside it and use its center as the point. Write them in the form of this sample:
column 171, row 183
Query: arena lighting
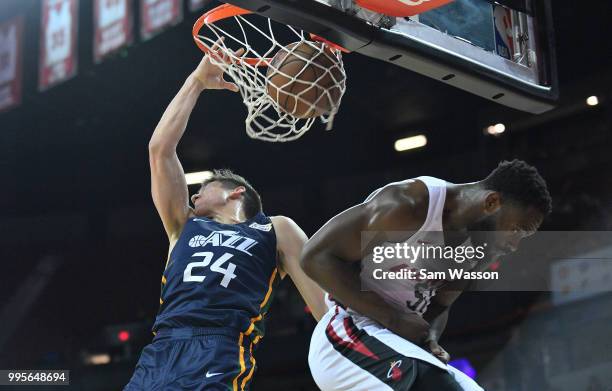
column 123, row 335
column 592, row 100
column 496, row 129
column 194, row 178
column 413, row 142
column 98, row 359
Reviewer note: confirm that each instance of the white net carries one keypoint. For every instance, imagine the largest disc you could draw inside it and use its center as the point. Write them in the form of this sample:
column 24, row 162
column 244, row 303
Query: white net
column 280, row 106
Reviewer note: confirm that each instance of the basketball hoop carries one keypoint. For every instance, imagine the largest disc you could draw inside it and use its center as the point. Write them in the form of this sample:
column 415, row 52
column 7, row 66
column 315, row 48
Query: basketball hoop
column 265, row 120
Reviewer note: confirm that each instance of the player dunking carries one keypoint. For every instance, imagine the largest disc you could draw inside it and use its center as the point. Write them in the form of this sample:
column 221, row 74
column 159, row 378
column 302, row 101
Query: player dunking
column 381, row 338
column 225, row 258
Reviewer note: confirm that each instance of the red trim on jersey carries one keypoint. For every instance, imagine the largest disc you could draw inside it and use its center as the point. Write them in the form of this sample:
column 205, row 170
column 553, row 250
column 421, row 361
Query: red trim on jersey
column 352, row 333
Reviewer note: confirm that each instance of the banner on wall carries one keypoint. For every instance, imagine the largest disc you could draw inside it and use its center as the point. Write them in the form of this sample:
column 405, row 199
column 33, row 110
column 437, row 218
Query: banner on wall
column 112, row 26
column 196, row 5
column 11, row 38
column 156, row 15
column 58, row 55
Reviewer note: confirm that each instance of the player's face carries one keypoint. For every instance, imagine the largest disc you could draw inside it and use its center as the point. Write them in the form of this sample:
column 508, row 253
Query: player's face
column 209, row 197
column 507, row 227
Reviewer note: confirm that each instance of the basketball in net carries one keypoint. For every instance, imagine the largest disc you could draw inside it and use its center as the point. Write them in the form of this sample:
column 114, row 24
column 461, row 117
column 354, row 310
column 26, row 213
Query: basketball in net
column 305, row 79
column 287, row 78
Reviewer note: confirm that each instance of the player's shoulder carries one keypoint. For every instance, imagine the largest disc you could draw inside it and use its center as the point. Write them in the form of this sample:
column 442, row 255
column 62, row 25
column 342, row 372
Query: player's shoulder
column 281, row 221
column 290, row 238
column 285, row 226
column 410, row 192
column 399, row 204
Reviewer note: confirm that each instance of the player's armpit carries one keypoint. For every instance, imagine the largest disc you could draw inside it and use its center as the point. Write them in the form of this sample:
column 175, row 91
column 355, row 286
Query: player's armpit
column 290, row 241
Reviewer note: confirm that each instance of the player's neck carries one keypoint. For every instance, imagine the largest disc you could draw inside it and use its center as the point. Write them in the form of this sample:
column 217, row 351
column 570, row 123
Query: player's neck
column 230, row 213
column 459, row 207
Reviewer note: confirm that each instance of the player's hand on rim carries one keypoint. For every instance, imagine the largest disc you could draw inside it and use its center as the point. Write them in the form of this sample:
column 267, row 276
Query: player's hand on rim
column 210, row 75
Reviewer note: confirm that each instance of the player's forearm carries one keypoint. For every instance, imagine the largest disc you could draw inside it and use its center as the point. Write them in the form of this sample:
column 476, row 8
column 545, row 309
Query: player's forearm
column 314, row 297
column 172, row 125
column 310, row 291
column 341, row 279
column 437, row 326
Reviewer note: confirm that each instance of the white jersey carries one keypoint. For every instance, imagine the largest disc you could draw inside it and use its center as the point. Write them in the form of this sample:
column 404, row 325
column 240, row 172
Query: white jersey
column 412, row 295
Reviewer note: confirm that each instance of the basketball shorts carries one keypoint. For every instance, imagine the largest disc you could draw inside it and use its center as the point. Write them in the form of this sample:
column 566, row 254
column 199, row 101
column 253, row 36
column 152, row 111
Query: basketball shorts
column 208, row 359
column 349, row 352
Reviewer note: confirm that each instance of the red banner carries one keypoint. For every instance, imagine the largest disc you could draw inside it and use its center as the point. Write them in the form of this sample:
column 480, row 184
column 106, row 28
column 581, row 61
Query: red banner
column 196, row 5
column 58, row 57
column 112, row 26
column 11, row 38
column 159, row 14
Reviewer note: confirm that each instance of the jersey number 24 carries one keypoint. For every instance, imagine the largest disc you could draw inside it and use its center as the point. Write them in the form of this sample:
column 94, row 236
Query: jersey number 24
column 217, row 266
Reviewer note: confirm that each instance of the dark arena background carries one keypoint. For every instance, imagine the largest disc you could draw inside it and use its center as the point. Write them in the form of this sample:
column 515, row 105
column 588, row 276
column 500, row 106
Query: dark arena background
column 82, row 248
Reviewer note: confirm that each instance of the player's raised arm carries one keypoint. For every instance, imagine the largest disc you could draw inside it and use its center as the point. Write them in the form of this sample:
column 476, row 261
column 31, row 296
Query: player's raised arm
column 290, row 242
column 332, row 256
column 168, row 185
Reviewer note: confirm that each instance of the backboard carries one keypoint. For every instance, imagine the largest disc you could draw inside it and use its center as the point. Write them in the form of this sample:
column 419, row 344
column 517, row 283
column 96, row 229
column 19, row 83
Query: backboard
column 500, row 50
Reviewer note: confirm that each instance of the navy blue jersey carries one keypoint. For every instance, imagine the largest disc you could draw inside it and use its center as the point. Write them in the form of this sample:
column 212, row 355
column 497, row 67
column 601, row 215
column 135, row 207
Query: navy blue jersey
column 220, row 275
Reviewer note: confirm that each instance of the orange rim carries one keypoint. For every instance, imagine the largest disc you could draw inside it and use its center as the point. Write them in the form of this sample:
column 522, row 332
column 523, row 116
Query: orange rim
column 225, row 11
column 315, row 37
column 222, row 12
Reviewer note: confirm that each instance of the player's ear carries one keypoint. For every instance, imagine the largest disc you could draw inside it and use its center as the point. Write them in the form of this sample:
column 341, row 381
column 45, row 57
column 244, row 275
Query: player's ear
column 236, row 193
column 492, row 202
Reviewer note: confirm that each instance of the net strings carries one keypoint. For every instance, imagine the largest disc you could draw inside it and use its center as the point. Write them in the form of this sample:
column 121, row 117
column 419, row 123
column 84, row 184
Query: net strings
column 265, row 119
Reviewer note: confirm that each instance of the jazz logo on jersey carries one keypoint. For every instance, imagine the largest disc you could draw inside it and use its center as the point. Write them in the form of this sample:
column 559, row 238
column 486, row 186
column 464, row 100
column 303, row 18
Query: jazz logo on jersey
column 228, row 239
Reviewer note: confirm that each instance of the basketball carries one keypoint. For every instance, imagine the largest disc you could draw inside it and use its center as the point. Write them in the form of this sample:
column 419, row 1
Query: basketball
column 305, row 79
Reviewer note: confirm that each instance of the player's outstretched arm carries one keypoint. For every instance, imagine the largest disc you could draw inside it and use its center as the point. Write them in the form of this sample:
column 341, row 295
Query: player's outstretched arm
column 290, row 241
column 168, row 185
column 332, row 256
